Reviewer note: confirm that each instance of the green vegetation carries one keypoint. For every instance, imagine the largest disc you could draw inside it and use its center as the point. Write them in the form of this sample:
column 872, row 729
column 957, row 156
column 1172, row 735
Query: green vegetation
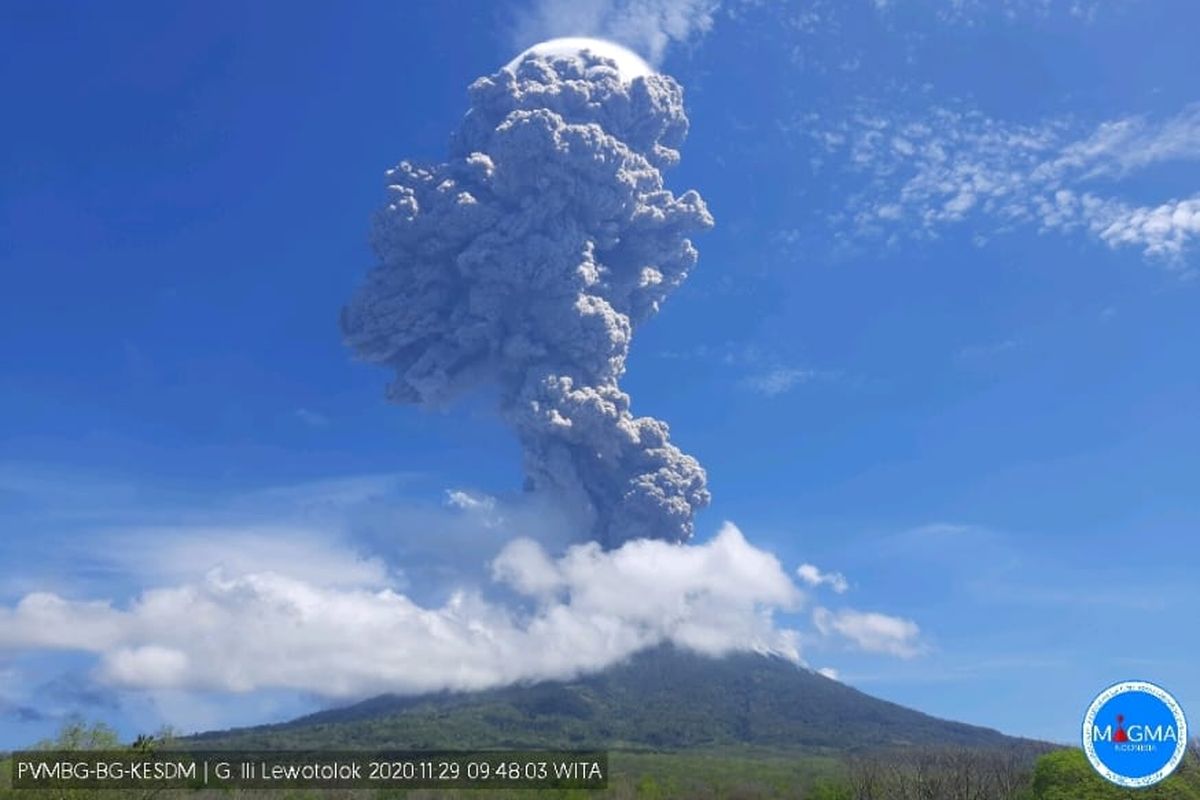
column 919, row 773
column 77, row 735
column 680, row 726
column 1066, row 775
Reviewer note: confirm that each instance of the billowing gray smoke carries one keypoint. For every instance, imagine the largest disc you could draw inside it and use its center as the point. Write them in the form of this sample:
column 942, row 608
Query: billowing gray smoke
column 527, row 260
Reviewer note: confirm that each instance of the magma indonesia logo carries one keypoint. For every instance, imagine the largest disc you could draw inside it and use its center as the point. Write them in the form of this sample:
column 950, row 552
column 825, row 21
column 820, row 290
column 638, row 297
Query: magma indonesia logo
column 1134, row 734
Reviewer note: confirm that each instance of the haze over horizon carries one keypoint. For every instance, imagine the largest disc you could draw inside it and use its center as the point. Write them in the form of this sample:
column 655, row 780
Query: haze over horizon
column 932, row 361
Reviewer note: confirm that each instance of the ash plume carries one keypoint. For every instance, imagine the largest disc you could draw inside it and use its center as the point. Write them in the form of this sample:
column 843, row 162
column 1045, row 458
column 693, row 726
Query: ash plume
column 527, row 260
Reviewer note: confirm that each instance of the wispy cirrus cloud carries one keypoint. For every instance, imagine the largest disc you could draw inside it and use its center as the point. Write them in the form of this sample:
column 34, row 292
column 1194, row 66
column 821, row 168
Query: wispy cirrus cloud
column 969, row 12
column 651, row 27
column 646, row 26
column 987, row 350
column 313, row 419
column 778, row 380
column 166, row 554
column 923, row 174
column 762, row 372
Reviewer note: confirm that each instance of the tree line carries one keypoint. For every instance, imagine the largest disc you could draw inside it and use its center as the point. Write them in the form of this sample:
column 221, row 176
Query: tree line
column 1026, row 772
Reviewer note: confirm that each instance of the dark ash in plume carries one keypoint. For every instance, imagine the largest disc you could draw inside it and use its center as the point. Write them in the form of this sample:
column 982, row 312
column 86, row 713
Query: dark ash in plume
column 527, row 260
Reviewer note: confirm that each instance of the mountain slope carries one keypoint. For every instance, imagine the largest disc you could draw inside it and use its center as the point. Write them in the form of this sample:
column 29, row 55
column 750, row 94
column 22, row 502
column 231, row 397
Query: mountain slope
column 660, row 699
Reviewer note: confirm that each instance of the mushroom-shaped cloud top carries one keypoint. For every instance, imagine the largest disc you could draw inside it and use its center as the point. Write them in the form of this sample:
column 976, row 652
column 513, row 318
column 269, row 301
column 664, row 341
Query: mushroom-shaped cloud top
column 629, row 64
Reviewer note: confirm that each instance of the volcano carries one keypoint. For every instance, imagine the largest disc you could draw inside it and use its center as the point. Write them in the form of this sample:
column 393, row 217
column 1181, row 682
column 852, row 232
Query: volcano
column 663, row 699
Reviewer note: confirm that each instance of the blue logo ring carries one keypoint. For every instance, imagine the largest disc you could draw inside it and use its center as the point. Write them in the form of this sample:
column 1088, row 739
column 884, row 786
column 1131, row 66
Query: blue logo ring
column 1134, row 759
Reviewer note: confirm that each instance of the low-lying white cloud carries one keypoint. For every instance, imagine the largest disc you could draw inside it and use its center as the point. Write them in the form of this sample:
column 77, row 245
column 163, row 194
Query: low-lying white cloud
column 239, row 632
column 344, row 588
column 870, row 631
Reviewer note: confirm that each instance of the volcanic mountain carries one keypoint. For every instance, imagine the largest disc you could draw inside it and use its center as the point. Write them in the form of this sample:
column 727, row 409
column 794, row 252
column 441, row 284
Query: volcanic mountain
column 660, row 699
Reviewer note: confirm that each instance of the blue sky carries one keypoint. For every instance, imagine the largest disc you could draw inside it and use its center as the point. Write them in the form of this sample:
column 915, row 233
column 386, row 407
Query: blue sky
column 941, row 341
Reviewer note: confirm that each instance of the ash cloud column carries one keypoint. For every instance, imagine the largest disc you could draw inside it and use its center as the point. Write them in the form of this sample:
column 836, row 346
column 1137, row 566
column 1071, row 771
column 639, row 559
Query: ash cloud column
column 528, row 260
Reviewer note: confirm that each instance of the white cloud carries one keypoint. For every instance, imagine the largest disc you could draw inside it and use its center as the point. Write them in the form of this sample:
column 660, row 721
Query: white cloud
column 812, row 576
column 470, row 501
column 339, row 588
column 311, row 418
column 646, row 26
column 62, row 491
column 951, row 166
column 762, row 371
column 829, row 672
column 870, row 631
column 942, row 542
column 970, row 13
column 183, row 553
column 240, row 632
column 778, row 380
column 482, row 507
column 1165, row 230
column 325, row 495
column 1119, row 147
column 941, row 530
column 980, row 352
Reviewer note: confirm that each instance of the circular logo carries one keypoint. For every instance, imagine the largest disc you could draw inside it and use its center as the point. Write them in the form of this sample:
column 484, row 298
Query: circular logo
column 1134, row 734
